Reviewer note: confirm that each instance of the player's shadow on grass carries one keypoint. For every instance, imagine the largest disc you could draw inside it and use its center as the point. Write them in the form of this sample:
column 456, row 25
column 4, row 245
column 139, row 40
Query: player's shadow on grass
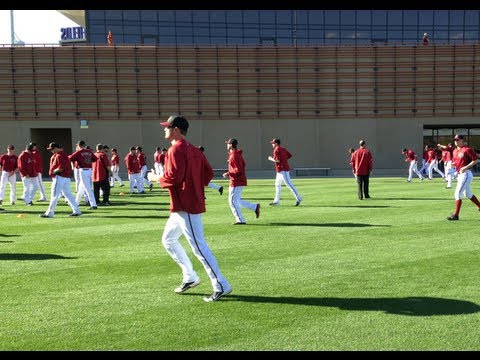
column 326, row 224
column 23, row 256
column 409, row 306
column 355, row 206
column 415, row 198
column 8, row 235
column 165, row 211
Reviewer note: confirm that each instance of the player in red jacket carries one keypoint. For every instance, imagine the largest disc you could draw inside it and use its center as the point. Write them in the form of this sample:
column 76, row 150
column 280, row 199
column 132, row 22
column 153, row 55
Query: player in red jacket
column 187, row 172
column 26, row 166
column 238, row 180
column 464, row 159
column 411, row 158
column 8, row 171
column 60, row 171
column 39, row 168
column 84, row 157
column 280, row 158
column 363, row 164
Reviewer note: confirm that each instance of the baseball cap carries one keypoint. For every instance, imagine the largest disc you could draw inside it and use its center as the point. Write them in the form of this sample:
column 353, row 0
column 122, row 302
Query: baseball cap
column 176, row 121
column 232, row 141
column 275, row 141
column 404, row 150
column 80, row 143
column 133, row 148
column 54, row 145
column 10, row 147
column 106, row 147
column 458, row 137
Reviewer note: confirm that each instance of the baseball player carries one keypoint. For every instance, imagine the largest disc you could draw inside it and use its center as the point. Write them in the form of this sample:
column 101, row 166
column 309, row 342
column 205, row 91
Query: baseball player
column 26, row 166
column 238, row 180
column 464, row 158
column 84, row 158
column 143, row 167
column 280, row 158
column 211, row 184
column 411, row 158
column 100, row 175
column 432, row 162
column 156, row 160
column 39, row 168
column 447, row 153
column 115, row 168
column 60, row 172
column 424, row 169
column 187, row 172
column 134, row 171
column 363, row 165
column 8, row 171
column 351, row 151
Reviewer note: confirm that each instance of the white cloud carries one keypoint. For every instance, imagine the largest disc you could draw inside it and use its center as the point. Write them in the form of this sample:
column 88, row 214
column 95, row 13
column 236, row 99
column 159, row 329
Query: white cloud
column 33, row 26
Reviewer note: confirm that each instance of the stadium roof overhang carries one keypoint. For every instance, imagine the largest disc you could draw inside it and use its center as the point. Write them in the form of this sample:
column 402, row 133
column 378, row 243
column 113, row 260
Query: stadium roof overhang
column 77, row 16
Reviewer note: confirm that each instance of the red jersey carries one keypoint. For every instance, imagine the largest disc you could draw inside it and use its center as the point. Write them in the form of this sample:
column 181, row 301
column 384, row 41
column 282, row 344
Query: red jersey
column 38, row 161
column 425, row 155
column 156, row 156
column 352, row 161
column 8, row 162
column 463, row 156
column 100, row 167
column 236, row 168
column 446, row 155
column 84, row 158
column 410, row 155
column 363, row 161
column 432, row 156
column 142, row 160
column 187, row 172
column 282, row 155
column 26, row 165
column 133, row 166
column 60, row 160
column 162, row 159
column 115, row 159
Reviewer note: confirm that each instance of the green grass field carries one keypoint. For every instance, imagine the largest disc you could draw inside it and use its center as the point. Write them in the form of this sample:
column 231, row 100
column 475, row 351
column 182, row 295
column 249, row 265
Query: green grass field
column 336, row 273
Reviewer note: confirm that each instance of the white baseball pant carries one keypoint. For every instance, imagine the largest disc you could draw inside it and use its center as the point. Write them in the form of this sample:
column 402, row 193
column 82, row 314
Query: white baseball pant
column 191, row 226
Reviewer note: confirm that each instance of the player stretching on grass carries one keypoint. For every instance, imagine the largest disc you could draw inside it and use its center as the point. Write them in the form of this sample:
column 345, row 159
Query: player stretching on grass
column 464, row 158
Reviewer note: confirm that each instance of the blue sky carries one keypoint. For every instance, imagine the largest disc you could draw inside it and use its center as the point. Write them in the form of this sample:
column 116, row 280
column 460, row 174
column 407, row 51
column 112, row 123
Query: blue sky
column 33, row 26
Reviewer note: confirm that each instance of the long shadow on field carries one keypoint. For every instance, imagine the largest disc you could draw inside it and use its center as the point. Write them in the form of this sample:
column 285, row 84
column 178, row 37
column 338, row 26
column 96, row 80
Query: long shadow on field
column 325, row 224
column 8, row 235
column 411, row 306
column 417, row 198
column 354, row 206
column 23, row 256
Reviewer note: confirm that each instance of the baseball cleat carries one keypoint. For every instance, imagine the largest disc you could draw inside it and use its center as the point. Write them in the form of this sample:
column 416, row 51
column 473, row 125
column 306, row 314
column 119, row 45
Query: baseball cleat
column 75, row 214
column 257, row 211
column 452, row 217
column 274, row 204
column 46, row 215
column 239, row 223
column 298, row 202
column 187, row 285
column 220, row 190
column 216, row 295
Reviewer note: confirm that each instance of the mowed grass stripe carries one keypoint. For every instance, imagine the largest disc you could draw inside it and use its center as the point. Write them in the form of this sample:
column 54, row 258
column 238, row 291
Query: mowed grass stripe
column 336, row 273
